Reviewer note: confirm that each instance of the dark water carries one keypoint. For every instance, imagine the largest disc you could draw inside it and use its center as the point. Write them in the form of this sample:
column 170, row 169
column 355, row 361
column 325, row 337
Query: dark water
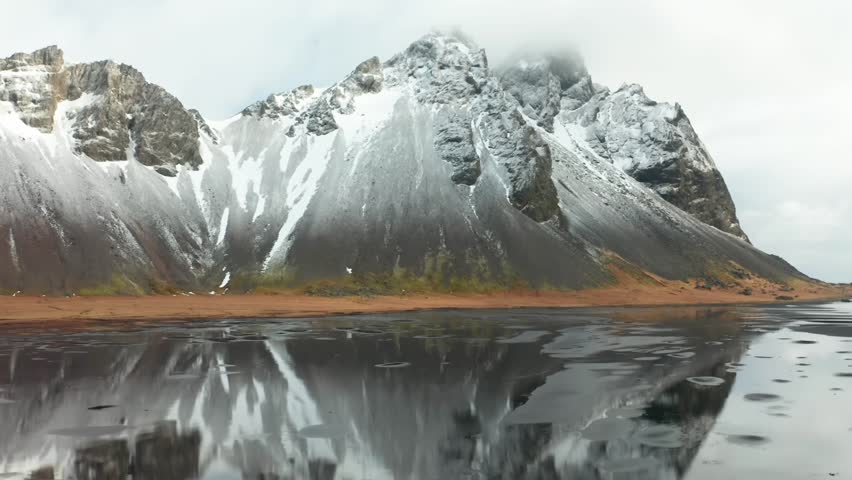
column 697, row 393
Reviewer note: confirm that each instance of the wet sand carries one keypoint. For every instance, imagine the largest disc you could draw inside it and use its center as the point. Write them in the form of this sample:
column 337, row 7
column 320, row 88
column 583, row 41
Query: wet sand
column 198, row 306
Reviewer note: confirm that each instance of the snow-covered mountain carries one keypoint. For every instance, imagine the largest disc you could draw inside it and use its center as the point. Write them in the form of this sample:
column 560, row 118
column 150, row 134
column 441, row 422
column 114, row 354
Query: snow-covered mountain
column 431, row 168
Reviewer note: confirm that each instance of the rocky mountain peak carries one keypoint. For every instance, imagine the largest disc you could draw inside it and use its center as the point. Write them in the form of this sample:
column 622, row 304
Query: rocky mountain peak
column 443, row 69
column 317, row 115
column 368, row 75
column 284, row 104
column 311, row 109
column 445, row 50
column 655, row 143
column 105, row 77
column 121, row 110
column 651, row 141
column 34, row 83
column 568, row 66
column 130, row 112
column 51, row 56
column 544, row 85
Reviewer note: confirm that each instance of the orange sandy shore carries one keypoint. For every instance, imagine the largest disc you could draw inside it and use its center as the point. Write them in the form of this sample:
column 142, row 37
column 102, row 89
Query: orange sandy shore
column 62, row 309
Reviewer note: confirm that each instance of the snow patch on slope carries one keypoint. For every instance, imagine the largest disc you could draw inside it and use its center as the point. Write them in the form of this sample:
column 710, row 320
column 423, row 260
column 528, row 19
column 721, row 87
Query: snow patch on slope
column 301, row 188
column 260, row 208
column 223, row 226
column 65, row 118
column 246, row 173
column 13, row 251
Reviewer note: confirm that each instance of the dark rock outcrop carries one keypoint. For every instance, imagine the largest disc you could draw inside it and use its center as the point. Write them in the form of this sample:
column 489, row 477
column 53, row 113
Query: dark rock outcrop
column 105, row 460
column 526, row 157
column 454, row 143
column 167, row 453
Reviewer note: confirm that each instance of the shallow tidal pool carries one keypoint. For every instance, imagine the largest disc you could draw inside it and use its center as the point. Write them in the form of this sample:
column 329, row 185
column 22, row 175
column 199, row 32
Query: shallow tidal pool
column 615, row 393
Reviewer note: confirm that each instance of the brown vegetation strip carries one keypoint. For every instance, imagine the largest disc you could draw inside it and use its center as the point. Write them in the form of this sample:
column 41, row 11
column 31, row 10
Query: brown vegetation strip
column 61, row 309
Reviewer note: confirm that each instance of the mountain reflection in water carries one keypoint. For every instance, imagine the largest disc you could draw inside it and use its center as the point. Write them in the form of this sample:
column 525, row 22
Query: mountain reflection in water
column 538, row 394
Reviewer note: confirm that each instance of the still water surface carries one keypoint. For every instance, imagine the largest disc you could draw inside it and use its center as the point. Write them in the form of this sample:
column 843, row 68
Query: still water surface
column 671, row 393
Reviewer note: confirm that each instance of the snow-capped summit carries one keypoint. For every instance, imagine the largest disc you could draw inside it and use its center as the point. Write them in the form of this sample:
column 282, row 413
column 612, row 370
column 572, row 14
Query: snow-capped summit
column 430, row 169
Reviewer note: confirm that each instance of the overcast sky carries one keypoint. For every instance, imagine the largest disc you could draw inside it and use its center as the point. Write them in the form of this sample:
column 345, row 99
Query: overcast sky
column 766, row 83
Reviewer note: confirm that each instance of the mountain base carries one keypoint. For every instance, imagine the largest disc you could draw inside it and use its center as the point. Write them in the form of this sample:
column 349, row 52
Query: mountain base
column 184, row 306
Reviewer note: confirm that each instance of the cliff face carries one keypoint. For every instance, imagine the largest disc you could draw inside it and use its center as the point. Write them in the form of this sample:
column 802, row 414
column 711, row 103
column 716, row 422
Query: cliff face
column 34, row 83
column 652, row 142
column 121, row 115
column 430, row 168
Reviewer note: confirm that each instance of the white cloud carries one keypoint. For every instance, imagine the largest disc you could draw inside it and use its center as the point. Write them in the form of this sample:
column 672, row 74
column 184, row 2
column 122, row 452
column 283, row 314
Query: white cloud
column 766, row 83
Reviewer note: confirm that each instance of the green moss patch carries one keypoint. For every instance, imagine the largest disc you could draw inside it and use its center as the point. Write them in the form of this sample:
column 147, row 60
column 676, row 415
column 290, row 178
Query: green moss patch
column 118, row 285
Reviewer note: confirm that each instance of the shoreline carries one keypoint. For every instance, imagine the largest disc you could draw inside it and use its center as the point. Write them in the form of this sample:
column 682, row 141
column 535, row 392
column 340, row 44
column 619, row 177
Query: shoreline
column 57, row 310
